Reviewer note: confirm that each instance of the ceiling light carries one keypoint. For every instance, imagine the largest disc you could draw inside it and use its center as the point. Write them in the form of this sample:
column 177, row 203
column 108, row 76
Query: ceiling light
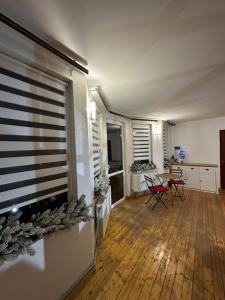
column 92, row 110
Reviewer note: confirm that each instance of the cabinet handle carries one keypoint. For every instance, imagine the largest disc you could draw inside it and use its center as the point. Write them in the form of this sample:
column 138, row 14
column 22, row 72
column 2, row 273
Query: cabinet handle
column 207, row 169
column 192, row 168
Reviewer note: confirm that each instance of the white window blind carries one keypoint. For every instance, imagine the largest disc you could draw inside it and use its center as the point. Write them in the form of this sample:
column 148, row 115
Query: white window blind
column 165, row 140
column 96, row 147
column 142, row 142
column 33, row 139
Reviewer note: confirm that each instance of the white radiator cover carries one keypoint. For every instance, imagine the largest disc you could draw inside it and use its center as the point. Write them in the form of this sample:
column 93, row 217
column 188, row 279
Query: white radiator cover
column 102, row 215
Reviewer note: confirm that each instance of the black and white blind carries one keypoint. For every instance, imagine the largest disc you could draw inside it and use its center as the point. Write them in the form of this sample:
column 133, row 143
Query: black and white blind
column 165, row 140
column 33, row 139
column 142, row 142
column 96, row 147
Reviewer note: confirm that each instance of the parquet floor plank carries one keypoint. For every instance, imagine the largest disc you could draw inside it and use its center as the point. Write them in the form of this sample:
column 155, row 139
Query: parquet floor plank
column 171, row 254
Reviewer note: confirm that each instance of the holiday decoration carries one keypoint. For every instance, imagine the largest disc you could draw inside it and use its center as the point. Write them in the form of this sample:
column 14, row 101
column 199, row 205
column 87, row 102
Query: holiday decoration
column 101, row 186
column 16, row 238
column 182, row 155
column 168, row 162
column 137, row 168
column 179, row 155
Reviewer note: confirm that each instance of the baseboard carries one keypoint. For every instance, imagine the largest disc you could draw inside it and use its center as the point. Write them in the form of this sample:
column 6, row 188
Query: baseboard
column 138, row 194
column 221, row 191
column 118, row 202
column 198, row 190
column 78, row 285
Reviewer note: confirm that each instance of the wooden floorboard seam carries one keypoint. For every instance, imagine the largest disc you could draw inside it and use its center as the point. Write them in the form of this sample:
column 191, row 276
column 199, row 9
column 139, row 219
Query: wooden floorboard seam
column 171, row 254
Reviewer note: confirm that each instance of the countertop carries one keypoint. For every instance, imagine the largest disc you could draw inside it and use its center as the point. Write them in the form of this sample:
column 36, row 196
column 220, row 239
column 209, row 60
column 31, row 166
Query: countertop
column 197, row 165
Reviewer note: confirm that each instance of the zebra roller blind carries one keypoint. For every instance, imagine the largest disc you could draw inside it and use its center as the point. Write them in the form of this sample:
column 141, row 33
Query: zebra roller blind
column 96, row 147
column 165, row 140
column 33, row 139
column 142, row 141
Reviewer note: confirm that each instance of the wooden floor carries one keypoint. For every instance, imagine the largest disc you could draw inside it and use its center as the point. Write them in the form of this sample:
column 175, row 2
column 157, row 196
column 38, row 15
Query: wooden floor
column 177, row 253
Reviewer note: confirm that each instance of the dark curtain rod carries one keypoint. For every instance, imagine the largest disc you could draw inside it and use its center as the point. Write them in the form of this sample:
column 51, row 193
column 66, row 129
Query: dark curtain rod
column 40, row 42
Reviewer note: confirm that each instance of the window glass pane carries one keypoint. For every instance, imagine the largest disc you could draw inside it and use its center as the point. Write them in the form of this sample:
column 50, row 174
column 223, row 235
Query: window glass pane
column 116, row 182
column 114, row 140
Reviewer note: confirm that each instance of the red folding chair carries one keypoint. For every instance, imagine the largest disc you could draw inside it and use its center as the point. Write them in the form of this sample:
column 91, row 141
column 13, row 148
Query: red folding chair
column 157, row 191
column 178, row 184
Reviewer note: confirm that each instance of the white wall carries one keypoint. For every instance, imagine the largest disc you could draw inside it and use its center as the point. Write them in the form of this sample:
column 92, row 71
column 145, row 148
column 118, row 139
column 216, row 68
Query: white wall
column 128, row 153
column 157, row 146
column 61, row 258
column 200, row 139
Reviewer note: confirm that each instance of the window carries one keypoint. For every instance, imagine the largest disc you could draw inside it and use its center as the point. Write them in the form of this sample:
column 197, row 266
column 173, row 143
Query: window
column 95, row 130
column 142, row 142
column 33, row 148
column 165, row 140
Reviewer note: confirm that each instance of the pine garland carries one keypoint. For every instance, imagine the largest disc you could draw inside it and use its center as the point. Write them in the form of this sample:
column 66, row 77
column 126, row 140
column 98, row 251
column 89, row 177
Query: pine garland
column 16, row 238
column 101, row 185
column 141, row 167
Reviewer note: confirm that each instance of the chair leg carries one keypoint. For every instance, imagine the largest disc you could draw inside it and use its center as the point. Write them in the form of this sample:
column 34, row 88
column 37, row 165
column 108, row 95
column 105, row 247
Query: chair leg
column 180, row 194
column 150, row 198
column 184, row 198
column 177, row 193
column 157, row 201
column 163, row 203
column 173, row 197
column 158, row 197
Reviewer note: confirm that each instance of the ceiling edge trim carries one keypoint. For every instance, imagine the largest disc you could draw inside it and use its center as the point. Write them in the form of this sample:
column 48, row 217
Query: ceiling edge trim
column 105, row 103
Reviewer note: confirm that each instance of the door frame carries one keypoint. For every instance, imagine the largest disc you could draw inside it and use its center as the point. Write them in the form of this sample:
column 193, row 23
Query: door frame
column 123, row 171
column 221, row 164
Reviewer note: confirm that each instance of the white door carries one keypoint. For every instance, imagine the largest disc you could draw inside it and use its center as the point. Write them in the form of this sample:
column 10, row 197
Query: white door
column 116, row 160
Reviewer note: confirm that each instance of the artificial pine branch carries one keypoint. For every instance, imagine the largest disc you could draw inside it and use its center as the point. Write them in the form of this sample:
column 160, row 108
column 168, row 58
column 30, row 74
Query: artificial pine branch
column 101, row 185
column 16, row 238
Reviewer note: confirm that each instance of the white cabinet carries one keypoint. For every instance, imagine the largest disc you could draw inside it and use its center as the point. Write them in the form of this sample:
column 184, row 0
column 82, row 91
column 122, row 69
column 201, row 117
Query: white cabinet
column 103, row 210
column 208, row 179
column 196, row 177
column 199, row 177
column 191, row 176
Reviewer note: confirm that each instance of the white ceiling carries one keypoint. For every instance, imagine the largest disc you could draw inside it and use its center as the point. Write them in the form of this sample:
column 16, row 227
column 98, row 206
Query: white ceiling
column 162, row 59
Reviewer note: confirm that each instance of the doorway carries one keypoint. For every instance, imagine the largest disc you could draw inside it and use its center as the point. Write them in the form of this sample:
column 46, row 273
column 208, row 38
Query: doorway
column 115, row 161
column 222, row 158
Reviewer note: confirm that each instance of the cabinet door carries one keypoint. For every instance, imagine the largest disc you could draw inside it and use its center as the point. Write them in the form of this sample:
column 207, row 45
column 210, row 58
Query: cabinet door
column 192, row 178
column 208, row 181
column 136, row 182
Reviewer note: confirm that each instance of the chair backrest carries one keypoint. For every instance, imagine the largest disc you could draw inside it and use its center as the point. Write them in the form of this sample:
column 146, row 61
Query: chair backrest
column 177, row 171
column 148, row 180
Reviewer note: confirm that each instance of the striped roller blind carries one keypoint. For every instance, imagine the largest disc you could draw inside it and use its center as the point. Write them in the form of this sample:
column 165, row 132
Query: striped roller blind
column 142, row 141
column 165, row 140
column 33, row 143
column 96, row 147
